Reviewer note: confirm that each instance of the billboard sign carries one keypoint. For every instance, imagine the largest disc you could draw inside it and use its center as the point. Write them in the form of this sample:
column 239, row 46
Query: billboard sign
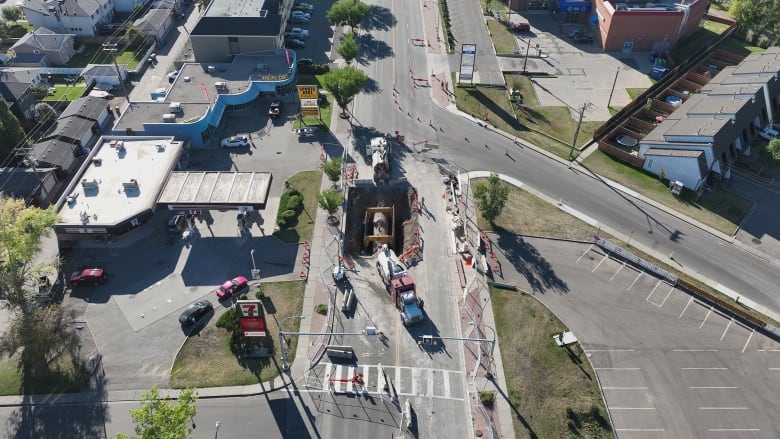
column 251, row 317
column 468, row 57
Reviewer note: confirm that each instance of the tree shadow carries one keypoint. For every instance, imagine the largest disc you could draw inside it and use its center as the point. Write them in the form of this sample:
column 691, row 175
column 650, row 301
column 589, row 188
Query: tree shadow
column 371, row 86
column 531, row 433
column 372, row 49
column 379, row 18
column 526, row 259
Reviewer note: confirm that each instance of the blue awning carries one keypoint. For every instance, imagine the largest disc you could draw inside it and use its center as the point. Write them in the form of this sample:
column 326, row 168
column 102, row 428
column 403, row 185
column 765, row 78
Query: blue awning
column 574, row 6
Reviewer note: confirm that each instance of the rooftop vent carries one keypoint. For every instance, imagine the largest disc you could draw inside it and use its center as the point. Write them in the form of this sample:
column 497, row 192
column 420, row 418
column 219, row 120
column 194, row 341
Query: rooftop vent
column 128, row 185
column 89, row 184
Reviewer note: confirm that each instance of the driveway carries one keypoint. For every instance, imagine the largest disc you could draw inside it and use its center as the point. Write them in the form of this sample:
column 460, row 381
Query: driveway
column 668, row 364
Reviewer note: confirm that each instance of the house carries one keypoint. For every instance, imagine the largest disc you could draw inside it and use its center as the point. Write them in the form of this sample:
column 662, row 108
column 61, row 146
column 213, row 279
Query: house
column 105, row 76
column 155, row 24
column 16, row 88
column 721, row 121
column 35, row 185
column 57, row 48
column 82, row 18
column 229, row 28
column 646, row 26
column 61, row 156
column 90, row 108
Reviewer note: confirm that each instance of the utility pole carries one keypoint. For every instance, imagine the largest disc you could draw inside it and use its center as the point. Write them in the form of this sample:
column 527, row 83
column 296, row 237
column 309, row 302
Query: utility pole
column 582, row 108
column 613, row 88
column 33, row 164
column 112, row 48
column 528, row 48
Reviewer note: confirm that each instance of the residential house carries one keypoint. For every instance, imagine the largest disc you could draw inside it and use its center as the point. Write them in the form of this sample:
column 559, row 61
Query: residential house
column 57, row 48
column 61, row 156
column 16, row 88
column 105, row 76
column 90, row 108
column 82, row 18
column 35, row 185
column 155, row 24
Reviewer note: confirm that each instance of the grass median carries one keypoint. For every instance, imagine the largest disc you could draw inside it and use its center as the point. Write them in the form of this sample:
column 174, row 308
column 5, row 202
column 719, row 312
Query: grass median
column 301, row 228
column 207, row 359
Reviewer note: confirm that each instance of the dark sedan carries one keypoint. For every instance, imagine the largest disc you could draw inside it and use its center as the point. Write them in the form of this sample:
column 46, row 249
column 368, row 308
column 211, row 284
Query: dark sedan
column 195, row 312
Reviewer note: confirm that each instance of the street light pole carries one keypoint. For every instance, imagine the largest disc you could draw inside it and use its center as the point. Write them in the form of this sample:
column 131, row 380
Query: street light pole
column 492, row 345
column 216, row 432
column 252, row 253
column 282, row 346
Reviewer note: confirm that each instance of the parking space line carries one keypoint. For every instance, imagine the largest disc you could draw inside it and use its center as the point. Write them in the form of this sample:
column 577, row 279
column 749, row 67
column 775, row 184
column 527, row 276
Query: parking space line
column 732, row 429
column 724, row 408
column 651, row 293
column 727, row 329
column 618, row 271
column 695, row 350
column 657, row 430
column 585, row 253
column 667, row 296
column 637, row 278
column 599, row 264
column 686, row 307
column 704, row 368
column 609, row 350
column 624, row 388
column 712, row 387
column 768, row 350
column 705, row 318
column 774, row 368
column 617, row 368
column 748, row 340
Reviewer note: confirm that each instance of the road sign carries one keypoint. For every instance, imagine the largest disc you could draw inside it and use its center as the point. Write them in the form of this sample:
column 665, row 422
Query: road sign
column 468, row 56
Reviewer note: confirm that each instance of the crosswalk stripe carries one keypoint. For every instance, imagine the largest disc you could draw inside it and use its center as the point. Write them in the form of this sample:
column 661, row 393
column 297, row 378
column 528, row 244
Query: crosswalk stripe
column 350, row 384
column 326, row 381
column 337, row 375
column 415, row 378
column 446, row 384
column 366, row 374
column 397, row 382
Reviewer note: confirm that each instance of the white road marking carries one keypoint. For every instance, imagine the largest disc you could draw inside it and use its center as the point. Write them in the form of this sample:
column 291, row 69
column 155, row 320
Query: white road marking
column 705, row 318
column 609, row 350
column 657, row 430
column 617, row 368
column 686, row 307
column 624, row 388
column 350, row 373
column 585, row 253
column 712, row 387
column 618, row 271
column 397, row 382
column 727, row 329
column 695, row 350
column 599, row 264
column 769, row 350
column 430, row 382
column 748, row 340
column 447, row 390
column 667, row 296
column 704, row 368
column 632, row 408
column 415, row 377
column 637, row 278
column 651, row 294
column 774, row 368
column 326, row 381
column 724, row 408
column 733, row 429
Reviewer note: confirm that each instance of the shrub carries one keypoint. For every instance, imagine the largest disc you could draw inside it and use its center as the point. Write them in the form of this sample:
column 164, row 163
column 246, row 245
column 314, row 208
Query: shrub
column 295, row 203
column 243, row 297
column 229, row 321
column 290, row 204
column 259, row 294
column 486, row 397
column 322, row 308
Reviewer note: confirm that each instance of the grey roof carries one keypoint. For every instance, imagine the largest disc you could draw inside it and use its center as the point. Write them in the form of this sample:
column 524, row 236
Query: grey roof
column 152, row 20
column 77, row 8
column 29, row 58
column 713, row 106
column 44, row 39
column 270, row 25
column 54, row 152
column 21, row 182
column 12, row 91
column 72, row 127
column 673, row 152
column 697, row 127
column 87, row 108
column 16, row 74
column 99, row 70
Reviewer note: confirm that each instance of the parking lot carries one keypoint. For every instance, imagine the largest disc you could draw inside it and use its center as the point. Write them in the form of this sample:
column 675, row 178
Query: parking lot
column 669, row 365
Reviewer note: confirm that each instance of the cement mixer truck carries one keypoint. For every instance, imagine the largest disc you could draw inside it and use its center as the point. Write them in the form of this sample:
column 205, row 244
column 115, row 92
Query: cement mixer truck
column 400, row 285
column 380, row 158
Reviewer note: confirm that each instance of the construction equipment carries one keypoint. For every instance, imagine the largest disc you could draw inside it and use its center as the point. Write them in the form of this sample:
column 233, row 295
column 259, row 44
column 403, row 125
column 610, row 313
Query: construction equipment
column 400, row 285
column 380, row 158
column 379, row 225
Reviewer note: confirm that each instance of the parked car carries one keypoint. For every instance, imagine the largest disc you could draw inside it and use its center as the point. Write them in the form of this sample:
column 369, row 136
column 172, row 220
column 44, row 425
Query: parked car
column 580, row 37
column 172, row 76
column 235, row 142
column 301, row 32
column 305, row 15
column 294, row 43
column 275, row 110
column 310, row 130
column 237, row 285
column 195, row 312
column 308, row 7
column 305, row 62
column 94, row 276
column 520, row 27
column 299, row 20
column 769, row 133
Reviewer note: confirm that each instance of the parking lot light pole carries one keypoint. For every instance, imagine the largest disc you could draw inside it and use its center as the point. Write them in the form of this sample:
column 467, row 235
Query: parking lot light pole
column 252, row 254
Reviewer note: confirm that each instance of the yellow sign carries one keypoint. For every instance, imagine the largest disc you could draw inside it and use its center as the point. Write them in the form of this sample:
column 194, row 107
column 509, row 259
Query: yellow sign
column 309, row 111
column 307, row 92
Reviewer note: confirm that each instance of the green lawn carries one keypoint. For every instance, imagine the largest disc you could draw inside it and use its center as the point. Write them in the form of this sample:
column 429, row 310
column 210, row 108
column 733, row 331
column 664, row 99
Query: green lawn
column 308, row 183
column 208, row 360
column 94, row 54
column 719, row 209
column 67, row 92
column 63, row 376
column 503, row 39
column 634, row 93
column 709, row 32
column 326, row 110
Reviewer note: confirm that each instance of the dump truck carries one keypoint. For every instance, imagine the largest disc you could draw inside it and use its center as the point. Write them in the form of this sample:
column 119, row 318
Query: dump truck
column 400, row 285
column 380, row 158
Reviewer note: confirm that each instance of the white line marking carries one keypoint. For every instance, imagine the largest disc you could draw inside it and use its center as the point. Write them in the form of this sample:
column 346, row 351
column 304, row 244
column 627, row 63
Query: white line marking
column 641, row 429
column 733, row 429
column 609, row 350
column 665, row 298
column 686, row 307
column 336, row 384
column 430, row 383
column 624, row 388
column 695, row 350
column 727, row 329
column 351, row 385
column 651, row 294
column 599, row 264
column 397, row 382
column 774, row 368
column 415, row 376
column 326, row 382
column 617, row 368
column 618, row 271
column 585, row 253
column 632, row 408
column 447, row 390
column 632, row 283
column 724, row 408
column 705, row 318
column 704, row 368
column 748, row 340
column 714, row 387
column 769, row 350
column 366, row 371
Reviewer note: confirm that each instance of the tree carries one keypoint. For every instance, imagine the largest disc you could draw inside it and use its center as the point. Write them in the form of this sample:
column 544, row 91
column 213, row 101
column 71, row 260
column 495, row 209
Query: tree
column 332, row 168
column 44, row 113
column 349, row 12
column 491, row 197
column 12, row 13
column 348, row 49
column 758, row 16
column 330, row 200
column 344, row 83
column 133, row 35
column 159, row 418
column 10, row 131
column 774, row 149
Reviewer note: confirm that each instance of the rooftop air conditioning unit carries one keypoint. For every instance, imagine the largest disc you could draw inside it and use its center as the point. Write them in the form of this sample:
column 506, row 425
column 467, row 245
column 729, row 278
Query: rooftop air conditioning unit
column 132, row 184
column 169, row 118
column 175, row 107
column 89, row 184
column 220, row 85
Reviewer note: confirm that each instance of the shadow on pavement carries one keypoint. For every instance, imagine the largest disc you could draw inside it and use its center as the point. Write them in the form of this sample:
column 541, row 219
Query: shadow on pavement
column 527, row 260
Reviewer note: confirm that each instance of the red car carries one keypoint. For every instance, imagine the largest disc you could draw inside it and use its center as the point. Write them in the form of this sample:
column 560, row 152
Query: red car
column 520, row 27
column 237, row 285
column 94, row 276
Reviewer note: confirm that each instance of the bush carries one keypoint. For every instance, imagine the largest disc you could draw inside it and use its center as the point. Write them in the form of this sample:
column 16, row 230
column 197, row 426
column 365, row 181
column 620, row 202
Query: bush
column 486, row 397
column 290, row 204
column 295, row 203
column 259, row 294
column 243, row 297
column 314, row 69
column 322, row 308
column 229, row 321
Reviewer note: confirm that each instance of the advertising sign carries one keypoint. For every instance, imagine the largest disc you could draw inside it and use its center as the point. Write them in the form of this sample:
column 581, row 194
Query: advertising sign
column 251, row 316
column 308, row 92
column 468, row 56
